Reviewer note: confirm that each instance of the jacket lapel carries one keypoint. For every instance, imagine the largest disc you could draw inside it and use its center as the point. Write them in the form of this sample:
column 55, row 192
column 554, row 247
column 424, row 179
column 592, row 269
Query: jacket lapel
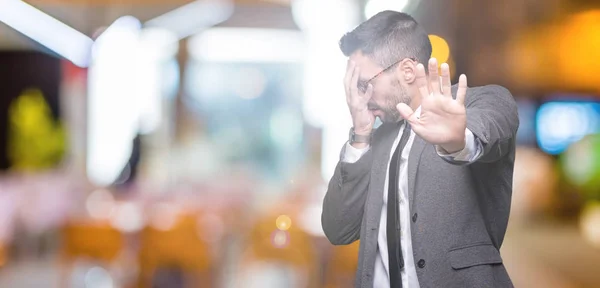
column 414, row 159
column 382, row 154
column 381, row 158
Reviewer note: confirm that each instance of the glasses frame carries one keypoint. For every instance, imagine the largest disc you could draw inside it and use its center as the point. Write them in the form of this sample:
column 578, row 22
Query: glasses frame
column 362, row 86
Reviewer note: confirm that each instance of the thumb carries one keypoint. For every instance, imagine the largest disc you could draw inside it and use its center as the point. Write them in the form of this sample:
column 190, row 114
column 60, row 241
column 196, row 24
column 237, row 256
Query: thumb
column 405, row 111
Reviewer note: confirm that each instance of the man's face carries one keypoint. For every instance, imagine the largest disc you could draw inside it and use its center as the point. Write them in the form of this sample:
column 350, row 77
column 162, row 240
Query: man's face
column 388, row 91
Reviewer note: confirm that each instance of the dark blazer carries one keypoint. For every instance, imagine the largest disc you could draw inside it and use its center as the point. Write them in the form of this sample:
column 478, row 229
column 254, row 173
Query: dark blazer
column 461, row 209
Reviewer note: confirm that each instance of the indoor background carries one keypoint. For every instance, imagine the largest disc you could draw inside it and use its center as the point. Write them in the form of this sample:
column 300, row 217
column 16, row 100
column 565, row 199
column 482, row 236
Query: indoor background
column 149, row 143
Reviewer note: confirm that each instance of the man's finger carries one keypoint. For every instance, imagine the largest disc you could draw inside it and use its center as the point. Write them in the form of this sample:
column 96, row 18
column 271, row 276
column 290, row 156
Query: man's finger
column 406, row 112
column 354, row 82
column 348, row 77
column 369, row 92
column 446, row 84
column 462, row 89
column 422, row 83
column 434, row 77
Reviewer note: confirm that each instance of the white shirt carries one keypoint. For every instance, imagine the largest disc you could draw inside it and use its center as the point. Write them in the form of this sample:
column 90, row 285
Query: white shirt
column 470, row 153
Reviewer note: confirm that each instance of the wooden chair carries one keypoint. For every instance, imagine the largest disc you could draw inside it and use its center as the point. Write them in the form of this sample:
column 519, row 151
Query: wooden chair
column 96, row 241
column 3, row 256
column 291, row 248
column 342, row 265
column 180, row 247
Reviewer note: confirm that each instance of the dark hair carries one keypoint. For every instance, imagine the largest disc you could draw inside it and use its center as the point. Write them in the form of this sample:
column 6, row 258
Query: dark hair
column 388, row 37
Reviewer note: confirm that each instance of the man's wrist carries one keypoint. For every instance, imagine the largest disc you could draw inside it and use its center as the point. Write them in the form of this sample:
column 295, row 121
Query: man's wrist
column 359, row 139
column 363, row 131
column 358, row 145
column 454, row 147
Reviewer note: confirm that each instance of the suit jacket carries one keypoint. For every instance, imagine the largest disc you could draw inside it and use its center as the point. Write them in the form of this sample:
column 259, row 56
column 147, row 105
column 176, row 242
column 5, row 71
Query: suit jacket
column 459, row 211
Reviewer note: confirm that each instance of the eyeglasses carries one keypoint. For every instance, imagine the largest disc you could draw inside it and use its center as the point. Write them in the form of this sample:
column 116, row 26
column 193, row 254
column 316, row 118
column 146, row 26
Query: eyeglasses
column 363, row 85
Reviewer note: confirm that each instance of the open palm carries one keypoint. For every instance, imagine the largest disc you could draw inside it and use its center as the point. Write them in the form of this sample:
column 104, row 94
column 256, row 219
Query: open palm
column 443, row 119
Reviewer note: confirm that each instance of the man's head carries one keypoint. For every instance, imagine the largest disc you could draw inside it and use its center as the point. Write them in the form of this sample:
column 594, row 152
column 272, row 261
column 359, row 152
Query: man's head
column 387, row 48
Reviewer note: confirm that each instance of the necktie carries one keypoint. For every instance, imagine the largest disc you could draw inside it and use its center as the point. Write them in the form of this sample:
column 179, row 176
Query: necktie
column 396, row 260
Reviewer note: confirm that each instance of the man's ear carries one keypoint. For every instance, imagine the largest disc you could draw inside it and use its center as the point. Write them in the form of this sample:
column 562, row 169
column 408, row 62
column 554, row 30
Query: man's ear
column 408, row 71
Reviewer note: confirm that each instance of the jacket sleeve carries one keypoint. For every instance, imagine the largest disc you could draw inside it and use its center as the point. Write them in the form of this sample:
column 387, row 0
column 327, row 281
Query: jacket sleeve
column 344, row 202
column 493, row 118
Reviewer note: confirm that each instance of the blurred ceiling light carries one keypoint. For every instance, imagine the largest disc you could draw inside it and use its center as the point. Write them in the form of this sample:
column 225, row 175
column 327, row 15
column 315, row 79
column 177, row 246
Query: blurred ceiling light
column 440, row 49
column 49, row 32
column 194, row 17
column 375, row 6
column 314, row 16
column 159, row 43
column 323, row 103
column 157, row 46
column 119, row 26
column 247, row 45
column 113, row 117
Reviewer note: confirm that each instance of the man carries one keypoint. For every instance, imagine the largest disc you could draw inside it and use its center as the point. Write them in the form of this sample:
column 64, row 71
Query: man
column 446, row 154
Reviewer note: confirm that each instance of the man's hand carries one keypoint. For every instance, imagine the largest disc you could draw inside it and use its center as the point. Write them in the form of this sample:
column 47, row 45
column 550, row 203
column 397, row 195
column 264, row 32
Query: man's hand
column 362, row 118
column 443, row 120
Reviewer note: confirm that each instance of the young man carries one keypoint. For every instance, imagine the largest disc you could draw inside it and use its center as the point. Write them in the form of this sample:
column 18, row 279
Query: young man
column 428, row 192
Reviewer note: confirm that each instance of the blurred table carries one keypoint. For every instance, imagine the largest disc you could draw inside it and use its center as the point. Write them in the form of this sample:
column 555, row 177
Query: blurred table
column 550, row 255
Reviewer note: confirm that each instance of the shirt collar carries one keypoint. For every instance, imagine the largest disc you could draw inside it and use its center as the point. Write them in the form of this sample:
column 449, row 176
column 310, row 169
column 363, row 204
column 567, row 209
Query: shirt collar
column 418, row 111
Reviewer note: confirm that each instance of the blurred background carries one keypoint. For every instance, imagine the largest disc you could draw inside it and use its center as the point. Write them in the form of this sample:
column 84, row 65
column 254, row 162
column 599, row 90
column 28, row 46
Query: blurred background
column 189, row 143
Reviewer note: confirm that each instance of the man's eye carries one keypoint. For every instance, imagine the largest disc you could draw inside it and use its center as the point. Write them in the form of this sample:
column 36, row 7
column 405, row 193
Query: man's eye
column 362, row 87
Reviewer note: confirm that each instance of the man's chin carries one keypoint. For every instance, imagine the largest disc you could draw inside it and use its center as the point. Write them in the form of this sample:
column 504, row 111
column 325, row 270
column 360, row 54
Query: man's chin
column 389, row 119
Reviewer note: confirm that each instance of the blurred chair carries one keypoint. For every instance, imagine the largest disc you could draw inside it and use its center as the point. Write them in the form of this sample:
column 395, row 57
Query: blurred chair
column 278, row 257
column 96, row 241
column 99, row 241
column 3, row 256
column 341, row 266
column 178, row 248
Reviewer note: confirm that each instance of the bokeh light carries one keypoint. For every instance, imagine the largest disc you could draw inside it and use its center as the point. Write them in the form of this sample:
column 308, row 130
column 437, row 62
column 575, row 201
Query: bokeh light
column 250, row 83
column 280, row 239
column 98, row 277
column 128, row 217
column 590, row 223
column 579, row 67
column 163, row 216
column 100, row 204
column 239, row 115
column 560, row 124
column 581, row 164
column 440, row 49
column 283, row 222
